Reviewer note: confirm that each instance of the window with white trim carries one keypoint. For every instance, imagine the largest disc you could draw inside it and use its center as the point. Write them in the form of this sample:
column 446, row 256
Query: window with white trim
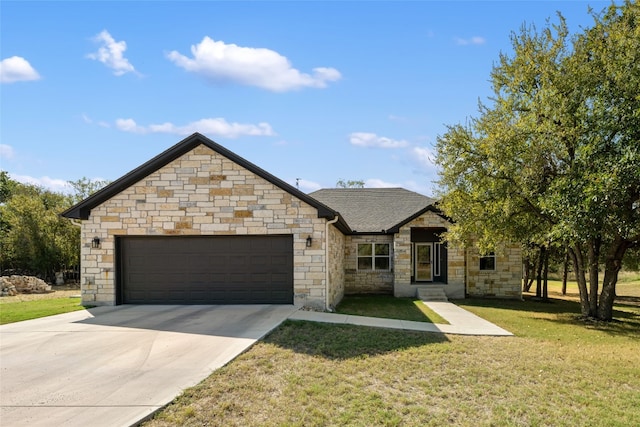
column 373, row 256
column 488, row 262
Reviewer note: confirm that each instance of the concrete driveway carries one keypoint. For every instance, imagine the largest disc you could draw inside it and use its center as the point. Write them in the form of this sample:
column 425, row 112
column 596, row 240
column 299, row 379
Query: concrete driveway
column 112, row 366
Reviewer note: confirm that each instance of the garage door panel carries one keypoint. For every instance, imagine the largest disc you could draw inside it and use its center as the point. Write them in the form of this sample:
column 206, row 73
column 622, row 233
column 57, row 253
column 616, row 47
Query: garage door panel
column 177, row 294
column 260, row 278
column 237, row 261
column 279, row 278
column 207, row 270
column 218, row 278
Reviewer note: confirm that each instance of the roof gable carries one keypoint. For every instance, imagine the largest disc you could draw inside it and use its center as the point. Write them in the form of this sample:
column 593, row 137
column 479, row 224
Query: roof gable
column 376, row 210
column 82, row 210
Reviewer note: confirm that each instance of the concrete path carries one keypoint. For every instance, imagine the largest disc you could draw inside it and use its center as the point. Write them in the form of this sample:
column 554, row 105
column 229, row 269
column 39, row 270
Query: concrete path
column 461, row 321
column 113, row 366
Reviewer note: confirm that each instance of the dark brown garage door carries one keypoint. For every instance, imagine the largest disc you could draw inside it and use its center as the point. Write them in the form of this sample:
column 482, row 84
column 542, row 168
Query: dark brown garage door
column 206, row 270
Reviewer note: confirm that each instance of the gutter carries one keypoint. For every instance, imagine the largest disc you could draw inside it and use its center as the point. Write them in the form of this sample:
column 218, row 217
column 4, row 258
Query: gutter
column 326, row 262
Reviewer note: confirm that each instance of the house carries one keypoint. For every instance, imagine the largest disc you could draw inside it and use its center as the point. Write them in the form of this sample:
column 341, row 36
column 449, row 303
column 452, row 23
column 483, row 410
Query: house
column 198, row 224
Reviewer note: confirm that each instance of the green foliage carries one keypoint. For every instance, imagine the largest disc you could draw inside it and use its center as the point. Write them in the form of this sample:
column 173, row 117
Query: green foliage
column 84, row 187
column 349, row 183
column 34, row 237
column 7, row 186
column 555, row 156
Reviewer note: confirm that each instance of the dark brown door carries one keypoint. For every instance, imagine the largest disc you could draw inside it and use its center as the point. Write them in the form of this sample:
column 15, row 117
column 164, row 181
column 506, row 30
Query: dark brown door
column 206, row 270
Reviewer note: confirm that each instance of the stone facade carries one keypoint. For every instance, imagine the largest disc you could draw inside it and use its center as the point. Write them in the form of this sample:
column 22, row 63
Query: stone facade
column 503, row 282
column 454, row 287
column 366, row 281
column 208, row 191
column 335, row 258
column 204, row 193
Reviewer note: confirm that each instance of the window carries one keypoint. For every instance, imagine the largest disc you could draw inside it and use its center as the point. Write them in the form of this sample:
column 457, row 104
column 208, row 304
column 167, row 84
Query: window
column 488, row 262
column 373, row 256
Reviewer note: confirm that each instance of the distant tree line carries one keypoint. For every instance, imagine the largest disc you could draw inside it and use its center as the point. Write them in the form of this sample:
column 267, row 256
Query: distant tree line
column 34, row 239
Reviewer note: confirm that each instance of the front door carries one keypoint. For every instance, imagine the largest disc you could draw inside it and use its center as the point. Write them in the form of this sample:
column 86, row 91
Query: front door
column 423, row 262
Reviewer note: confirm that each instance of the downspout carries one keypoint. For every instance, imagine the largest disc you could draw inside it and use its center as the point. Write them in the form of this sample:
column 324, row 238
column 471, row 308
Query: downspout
column 326, row 262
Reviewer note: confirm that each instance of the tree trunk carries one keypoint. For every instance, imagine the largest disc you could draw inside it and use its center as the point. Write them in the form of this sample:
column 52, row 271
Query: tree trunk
column 613, row 264
column 593, row 256
column 545, row 274
column 578, row 268
column 539, row 271
column 529, row 274
column 565, row 271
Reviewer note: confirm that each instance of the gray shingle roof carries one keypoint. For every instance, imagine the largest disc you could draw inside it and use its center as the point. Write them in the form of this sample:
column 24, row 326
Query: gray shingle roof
column 374, row 210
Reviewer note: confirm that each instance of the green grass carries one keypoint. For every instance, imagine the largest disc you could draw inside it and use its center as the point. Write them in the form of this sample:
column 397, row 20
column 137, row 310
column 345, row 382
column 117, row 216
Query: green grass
column 556, row 371
column 16, row 311
column 628, row 285
column 389, row 307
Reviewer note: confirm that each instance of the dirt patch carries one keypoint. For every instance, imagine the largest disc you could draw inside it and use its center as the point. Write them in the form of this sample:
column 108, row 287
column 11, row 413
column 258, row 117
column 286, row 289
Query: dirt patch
column 61, row 291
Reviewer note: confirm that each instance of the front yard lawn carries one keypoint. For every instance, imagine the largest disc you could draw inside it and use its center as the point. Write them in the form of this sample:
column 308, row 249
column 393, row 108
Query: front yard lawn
column 17, row 310
column 556, row 371
column 389, row 307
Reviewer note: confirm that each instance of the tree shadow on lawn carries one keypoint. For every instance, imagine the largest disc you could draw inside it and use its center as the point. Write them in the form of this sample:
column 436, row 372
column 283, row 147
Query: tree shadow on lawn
column 626, row 322
column 628, row 301
column 338, row 342
column 387, row 307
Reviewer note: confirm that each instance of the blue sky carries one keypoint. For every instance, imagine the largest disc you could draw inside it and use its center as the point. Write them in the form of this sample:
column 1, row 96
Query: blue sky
column 315, row 91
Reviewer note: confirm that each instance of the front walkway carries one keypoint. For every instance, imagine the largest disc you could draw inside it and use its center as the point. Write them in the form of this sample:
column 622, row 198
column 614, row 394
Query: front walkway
column 461, row 321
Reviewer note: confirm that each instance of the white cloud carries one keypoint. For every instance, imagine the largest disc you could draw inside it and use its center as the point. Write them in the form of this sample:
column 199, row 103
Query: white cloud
column 367, row 139
column 6, row 152
column 250, row 66
column 88, row 120
column 475, row 40
column 425, row 188
column 213, row 126
column 378, row 183
column 111, row 54
column 409, row 185
column 399, row 119
column 58, row 185
column 423, row 157
column 129, row 125
column 17, row 69
column 306, row 186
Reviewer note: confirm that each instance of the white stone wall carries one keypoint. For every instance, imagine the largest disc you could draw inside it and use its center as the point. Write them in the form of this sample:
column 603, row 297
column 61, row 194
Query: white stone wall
column 503, row 282
column 402, row 259
column 203, row 193
column 367, row 281
column 336, row 266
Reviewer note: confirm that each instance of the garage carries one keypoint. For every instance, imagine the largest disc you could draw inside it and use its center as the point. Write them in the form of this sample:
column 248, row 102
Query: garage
column 205, row 269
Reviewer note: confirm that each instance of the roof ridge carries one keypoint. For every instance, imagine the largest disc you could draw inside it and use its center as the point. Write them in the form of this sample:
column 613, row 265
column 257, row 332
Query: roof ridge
column 82, row 209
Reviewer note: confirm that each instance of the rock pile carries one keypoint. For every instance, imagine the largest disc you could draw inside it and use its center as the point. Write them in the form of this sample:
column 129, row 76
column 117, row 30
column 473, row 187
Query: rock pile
column 14, row 285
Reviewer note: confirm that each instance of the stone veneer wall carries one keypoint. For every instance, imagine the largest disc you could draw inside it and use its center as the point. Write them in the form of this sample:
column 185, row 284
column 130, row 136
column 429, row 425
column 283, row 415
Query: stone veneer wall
column 366, row 281
column 504, row 282
column 336, row 266
column 203, row 193
column 402, row 259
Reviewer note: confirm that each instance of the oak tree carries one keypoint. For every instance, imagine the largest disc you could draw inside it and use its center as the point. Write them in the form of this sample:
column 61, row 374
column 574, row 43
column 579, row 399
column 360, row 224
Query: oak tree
column 554, row 157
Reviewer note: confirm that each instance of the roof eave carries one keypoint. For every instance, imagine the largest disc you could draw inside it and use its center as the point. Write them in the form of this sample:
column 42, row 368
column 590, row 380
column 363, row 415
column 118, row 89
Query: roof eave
column 82, row 210
column 431, row 208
